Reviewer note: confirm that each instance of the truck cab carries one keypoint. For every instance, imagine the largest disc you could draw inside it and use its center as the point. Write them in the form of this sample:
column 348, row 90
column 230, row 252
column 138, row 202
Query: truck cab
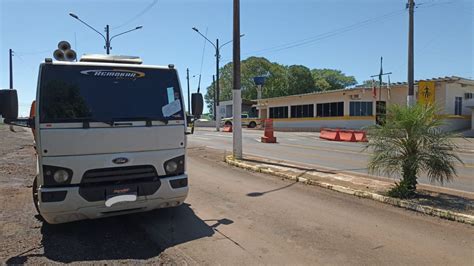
column 110, row 138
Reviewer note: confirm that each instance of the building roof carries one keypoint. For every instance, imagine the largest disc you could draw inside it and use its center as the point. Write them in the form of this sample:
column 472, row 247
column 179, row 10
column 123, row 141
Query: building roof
column 395, row 84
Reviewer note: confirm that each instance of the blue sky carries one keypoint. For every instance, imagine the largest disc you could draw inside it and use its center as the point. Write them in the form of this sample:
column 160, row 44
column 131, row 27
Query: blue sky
column 348, row 35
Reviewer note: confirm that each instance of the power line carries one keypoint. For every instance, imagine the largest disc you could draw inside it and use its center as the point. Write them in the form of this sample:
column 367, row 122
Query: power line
column 328, row 34
column 141, row 13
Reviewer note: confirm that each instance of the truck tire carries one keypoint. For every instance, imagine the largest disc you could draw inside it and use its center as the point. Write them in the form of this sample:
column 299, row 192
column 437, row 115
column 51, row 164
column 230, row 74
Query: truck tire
column 35, row 194
column 252, row 124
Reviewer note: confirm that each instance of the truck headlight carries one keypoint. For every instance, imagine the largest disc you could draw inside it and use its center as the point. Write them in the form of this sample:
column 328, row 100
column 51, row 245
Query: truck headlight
column 56, row 176
column 171, row 167
column 61, row 176
column 174, row 166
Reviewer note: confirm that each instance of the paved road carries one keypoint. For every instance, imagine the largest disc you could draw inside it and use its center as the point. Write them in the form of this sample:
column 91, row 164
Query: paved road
column 306, row 148
column 233, row 217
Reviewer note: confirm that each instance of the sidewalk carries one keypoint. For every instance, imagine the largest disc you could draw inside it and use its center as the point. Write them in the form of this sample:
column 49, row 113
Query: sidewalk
column 444, row 203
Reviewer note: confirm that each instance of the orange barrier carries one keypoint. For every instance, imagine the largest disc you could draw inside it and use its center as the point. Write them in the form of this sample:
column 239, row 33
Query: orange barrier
column 227, row 128
column 360, row 136
column 268, row 136
column 330, row 134
column 343, row 135
column 347, row 135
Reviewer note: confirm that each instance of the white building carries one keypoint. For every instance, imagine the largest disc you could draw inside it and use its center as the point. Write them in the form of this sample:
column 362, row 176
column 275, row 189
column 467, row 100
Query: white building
column 358, row 107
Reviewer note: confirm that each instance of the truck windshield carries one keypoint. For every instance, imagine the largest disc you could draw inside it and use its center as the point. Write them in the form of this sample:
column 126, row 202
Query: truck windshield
column 93, row 93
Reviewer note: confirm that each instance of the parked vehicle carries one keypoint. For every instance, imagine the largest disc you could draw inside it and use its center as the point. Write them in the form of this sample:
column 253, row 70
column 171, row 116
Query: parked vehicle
column 110, row 137
column 247, row 121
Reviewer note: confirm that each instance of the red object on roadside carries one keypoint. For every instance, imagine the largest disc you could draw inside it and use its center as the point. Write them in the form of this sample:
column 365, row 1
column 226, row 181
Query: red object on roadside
column 227, row 128
column 343, row 135
column 268, row 136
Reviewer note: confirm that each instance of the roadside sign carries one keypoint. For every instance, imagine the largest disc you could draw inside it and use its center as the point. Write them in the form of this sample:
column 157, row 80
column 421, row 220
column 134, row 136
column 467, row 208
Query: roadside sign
column 426, row 92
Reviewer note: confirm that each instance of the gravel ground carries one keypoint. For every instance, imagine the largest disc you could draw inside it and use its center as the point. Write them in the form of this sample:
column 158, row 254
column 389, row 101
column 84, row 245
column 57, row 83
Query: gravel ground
column 25, row 238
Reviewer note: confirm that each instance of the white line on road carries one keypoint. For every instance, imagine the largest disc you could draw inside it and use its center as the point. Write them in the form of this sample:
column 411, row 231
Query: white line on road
column 203, row 138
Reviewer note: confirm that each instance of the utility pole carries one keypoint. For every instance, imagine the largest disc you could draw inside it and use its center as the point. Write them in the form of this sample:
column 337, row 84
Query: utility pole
column 215, row 96
column 379, row 107
column 107, row 40
column 189, row 101
column 11, row 68
column 411, row 60
column 236, row 92
column 107, row 37
column 217, row 92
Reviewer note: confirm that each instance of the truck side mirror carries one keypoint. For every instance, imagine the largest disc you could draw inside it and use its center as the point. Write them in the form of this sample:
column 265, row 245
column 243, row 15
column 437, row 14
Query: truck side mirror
column 197, row 104
column 9, row 104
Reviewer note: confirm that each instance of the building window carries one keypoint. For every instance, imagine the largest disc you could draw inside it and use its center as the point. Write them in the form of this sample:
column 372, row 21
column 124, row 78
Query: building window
column 279, row 112
column 306, row 110
column 458, row 106
column 361, row 108
column 330, row 109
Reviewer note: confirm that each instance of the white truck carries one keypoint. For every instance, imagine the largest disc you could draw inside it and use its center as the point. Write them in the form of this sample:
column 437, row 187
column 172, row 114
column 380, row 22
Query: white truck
column 247, row 121
column 110, row 137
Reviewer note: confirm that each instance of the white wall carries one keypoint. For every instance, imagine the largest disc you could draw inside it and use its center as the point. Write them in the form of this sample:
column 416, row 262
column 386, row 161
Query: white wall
column 457, row 90
column 316, row 125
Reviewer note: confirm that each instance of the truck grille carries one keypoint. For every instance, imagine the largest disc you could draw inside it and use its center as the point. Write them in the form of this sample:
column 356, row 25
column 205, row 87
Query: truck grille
column 117, row 174
column 96, row 183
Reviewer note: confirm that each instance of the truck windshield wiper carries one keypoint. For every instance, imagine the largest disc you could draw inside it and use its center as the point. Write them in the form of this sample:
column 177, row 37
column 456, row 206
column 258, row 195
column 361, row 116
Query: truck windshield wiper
column 86, row 122
column 148, row 120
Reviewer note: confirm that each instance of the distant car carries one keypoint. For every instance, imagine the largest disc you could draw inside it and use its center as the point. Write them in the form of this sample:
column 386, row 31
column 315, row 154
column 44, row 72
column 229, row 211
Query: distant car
column 247, row 121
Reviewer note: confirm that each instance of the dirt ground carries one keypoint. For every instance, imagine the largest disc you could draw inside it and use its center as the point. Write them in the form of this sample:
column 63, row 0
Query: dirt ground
column 24, row 238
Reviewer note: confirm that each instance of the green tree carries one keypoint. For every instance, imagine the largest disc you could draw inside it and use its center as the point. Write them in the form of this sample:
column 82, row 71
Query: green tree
column 331, row 79
column 275, row 84
column 411, row 142
column 300, row 80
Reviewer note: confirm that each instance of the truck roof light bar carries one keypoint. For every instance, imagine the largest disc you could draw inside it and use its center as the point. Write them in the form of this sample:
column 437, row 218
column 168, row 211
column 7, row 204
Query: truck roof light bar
column 123, row 59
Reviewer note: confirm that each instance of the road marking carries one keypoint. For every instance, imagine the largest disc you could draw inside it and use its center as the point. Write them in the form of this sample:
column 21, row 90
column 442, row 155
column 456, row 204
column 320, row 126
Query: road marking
column 203, row 138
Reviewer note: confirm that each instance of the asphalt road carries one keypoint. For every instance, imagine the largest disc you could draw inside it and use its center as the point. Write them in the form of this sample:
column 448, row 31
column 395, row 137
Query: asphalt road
column 306, row 148
column 231, row 216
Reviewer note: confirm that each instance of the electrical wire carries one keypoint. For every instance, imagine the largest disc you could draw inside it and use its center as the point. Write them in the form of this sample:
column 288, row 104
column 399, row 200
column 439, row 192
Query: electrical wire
column 138, row 15
column 328, row 34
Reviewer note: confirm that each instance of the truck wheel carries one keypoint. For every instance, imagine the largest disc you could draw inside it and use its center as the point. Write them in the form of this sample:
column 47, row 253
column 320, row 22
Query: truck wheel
column 252, row 124
column 228, row 123
column 35, row 193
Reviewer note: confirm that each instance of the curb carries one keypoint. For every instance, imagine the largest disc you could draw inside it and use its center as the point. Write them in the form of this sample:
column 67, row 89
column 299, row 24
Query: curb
column 445, row 214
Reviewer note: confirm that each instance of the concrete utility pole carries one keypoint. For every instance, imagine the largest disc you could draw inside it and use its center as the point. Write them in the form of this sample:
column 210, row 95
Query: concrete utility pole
column 11, row 68
column 411, row 60
column 236, row 92
column 189, row 93
column 217, row 91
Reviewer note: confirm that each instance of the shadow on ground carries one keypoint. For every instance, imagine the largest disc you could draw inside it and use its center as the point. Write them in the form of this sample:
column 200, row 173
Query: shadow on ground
column 259, row 194
column 445, row 201
column 136, row 236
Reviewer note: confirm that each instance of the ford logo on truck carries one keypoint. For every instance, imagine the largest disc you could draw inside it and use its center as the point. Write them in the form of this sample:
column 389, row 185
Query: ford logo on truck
column 120, row 160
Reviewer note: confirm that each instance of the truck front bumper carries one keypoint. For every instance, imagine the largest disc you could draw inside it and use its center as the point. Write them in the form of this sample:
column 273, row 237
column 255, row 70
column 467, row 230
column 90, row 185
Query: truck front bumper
column 74, row 207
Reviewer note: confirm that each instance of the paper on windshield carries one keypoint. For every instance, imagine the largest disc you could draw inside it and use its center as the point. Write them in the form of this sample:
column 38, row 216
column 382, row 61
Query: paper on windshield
column 171, row 108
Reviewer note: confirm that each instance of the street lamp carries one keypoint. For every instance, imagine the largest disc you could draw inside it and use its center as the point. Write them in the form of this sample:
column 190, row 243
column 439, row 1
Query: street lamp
column 107, row 37
column 217, row 48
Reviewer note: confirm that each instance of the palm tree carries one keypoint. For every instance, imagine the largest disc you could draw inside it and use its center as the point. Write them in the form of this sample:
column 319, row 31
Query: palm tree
column 410, row 142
